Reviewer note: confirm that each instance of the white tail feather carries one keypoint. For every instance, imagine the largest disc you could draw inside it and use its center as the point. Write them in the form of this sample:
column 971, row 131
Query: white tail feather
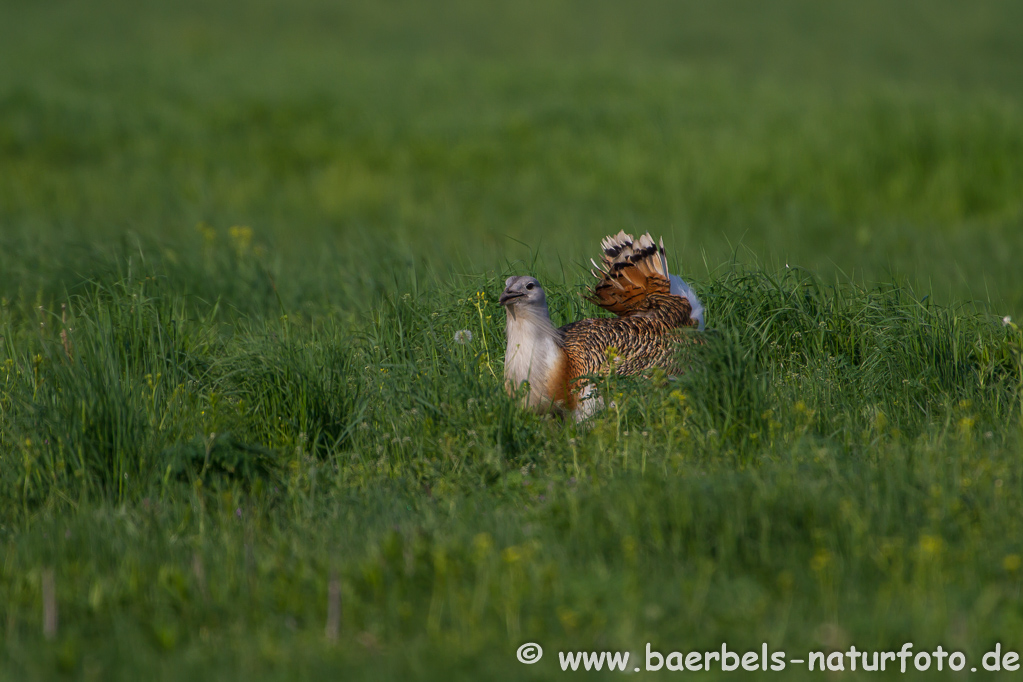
column 626, row 246
column 680, row 288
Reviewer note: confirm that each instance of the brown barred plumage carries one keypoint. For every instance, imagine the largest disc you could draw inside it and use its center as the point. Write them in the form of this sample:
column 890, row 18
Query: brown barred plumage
column 654, row 313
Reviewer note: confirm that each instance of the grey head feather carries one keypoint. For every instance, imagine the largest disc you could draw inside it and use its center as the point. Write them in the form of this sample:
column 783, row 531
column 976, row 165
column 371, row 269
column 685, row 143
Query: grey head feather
column 522, row 292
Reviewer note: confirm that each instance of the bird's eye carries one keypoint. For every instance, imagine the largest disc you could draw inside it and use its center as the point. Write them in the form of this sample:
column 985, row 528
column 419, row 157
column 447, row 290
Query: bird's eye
column 529, row 286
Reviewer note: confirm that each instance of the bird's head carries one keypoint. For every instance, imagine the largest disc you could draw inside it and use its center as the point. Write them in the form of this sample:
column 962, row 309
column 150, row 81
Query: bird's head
column 523, row 292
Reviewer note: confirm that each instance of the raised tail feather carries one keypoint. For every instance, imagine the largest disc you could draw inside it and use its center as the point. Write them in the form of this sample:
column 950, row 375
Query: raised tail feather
column 631, row 272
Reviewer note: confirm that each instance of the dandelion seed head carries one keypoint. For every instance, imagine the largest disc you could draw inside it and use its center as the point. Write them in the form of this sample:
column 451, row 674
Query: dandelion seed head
column 463, row 336
column 1006, row 321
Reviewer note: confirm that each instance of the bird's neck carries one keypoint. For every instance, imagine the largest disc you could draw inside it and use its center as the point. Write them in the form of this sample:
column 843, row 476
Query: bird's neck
column 534, row 350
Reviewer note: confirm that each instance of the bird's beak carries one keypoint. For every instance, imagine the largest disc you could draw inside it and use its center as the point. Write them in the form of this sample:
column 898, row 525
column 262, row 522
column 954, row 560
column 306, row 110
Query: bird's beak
column 507, row 295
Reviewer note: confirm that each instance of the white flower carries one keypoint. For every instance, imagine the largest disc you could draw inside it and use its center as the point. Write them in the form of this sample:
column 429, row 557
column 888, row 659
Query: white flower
column 1006, row 321
column 463, row 336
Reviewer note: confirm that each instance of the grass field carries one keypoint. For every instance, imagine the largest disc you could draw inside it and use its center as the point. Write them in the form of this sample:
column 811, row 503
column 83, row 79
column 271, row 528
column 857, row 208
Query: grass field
column 239, row 441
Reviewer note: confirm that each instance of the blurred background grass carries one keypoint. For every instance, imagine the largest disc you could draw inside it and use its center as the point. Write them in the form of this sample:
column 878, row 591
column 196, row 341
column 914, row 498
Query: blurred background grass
column 236, row 241
column 362, row 140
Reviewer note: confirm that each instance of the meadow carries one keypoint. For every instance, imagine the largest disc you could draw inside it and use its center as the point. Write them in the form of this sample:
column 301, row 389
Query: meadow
column 239, row 439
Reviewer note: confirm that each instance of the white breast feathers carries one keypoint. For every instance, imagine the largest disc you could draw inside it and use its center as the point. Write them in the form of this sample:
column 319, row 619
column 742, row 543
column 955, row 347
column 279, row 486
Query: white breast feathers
column 533, row 354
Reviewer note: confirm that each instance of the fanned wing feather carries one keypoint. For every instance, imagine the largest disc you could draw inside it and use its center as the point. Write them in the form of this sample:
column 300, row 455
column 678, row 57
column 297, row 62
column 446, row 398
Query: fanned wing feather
column 634, row 283
column 628, row 345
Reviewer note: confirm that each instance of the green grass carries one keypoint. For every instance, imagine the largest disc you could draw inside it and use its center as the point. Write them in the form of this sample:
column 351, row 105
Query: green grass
column 236, row 245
